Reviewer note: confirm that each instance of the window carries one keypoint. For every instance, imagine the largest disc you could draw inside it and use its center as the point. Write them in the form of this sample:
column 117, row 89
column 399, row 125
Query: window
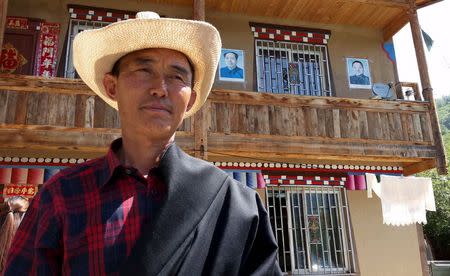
column 312, row 228
column 292, row 68
column 76, row 26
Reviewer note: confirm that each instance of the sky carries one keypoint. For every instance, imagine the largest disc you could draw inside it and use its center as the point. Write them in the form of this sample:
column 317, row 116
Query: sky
column 434, row 20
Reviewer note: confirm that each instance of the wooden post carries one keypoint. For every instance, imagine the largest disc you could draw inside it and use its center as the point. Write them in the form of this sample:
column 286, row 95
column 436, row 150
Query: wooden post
column 201, row 131
column 427, row 91
column 199, row 10
column 3, row 11
column 200, row 118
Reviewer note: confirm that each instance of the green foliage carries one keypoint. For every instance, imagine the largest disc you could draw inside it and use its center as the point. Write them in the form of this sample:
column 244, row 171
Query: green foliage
column 437, row 229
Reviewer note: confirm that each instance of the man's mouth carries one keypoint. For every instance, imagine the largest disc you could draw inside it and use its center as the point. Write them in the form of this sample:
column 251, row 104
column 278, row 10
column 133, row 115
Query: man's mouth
column 155, row 107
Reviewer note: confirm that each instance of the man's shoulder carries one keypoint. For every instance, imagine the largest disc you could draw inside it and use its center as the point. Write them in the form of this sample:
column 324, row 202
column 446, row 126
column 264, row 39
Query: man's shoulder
column 74, row 174
column 207, row 168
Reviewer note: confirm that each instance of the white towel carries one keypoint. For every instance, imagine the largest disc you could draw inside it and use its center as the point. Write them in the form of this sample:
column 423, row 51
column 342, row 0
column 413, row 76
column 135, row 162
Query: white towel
column 404, row 200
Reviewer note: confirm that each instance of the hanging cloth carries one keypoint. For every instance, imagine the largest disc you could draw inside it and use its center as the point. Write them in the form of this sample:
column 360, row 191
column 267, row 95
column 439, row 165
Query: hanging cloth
column 404, row 200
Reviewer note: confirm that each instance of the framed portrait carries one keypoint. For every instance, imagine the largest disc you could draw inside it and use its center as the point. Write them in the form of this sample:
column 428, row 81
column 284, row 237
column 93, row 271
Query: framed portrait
column 358, row 73
column 231, row 65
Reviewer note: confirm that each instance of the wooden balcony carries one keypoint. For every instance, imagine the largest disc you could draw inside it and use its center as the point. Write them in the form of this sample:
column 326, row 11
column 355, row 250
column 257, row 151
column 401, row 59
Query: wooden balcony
column 62, row 118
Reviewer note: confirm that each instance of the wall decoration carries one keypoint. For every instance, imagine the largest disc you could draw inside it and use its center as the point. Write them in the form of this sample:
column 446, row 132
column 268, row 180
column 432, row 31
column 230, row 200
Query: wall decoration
column 47, row 50
column 289, row 34
column 358, row 73
column 231, row 65
column 19, row 190
column 16, row 23
column 11, row 59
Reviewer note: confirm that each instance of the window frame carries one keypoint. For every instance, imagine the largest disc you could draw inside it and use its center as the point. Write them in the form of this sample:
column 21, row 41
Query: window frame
column 74, row 29
column 292, row 48
column 343, row 228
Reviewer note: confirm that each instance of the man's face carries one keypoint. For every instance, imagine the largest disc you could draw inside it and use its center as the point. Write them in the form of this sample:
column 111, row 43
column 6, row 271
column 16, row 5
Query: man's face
column 230, row 60
column 358, row 68
column 153, row 92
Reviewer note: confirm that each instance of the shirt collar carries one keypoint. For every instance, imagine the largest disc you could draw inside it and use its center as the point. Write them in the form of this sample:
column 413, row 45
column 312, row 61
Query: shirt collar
column 112, row 162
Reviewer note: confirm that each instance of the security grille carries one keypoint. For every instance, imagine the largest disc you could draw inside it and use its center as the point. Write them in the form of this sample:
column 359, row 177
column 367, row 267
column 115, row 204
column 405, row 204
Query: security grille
column 312, row 228
column 292, row 68
column 76, row 26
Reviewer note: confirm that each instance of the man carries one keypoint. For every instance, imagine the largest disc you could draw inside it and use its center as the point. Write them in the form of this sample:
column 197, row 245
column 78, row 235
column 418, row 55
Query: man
column 359, row 77
column 146, row 208
column 231, row 70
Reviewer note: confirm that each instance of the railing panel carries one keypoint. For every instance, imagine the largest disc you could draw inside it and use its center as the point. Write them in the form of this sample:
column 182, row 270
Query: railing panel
column 246, row 118
column 234, row 125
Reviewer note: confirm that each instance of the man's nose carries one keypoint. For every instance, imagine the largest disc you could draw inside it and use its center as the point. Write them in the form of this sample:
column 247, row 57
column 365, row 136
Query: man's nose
column 159, row 87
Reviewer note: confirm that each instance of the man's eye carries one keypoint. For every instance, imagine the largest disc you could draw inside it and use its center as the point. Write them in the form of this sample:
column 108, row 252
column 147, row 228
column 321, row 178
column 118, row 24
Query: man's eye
column 144, row 70
column 177, row 77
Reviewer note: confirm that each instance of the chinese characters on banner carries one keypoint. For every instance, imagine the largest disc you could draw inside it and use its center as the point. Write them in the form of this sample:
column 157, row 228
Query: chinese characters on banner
column 19, row 190
column 47, row 49
column 16, row 23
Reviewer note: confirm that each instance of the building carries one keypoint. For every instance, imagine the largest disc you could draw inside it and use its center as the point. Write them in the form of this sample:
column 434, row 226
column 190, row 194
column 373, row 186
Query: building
column 293, row 123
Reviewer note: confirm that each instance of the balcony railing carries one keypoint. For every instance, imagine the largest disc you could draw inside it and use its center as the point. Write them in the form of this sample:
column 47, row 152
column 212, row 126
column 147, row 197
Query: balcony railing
column 63, row 117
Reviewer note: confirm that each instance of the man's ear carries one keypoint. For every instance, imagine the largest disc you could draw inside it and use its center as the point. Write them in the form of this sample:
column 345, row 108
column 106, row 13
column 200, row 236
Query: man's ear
column 191, row 100
column 110, row 82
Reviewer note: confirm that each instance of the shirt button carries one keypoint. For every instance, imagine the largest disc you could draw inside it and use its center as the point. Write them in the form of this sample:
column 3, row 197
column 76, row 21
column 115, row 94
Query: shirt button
column 128, row 171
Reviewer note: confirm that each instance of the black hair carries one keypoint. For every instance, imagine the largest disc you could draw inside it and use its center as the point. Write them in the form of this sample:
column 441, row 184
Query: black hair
column 235, row 54
column 357, row 61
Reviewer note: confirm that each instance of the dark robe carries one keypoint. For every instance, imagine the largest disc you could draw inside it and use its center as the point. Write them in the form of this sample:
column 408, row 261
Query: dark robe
column 209, row 224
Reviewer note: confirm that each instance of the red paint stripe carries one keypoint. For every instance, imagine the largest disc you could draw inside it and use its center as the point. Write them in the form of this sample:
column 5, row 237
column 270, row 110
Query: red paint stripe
column 317, row 35
column 306, row 170
column 296, row 39
column 315, row 40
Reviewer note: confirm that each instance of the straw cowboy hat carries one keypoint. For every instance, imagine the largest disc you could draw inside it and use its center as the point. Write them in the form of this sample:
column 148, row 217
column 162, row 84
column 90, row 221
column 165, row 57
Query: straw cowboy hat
column 96, row 51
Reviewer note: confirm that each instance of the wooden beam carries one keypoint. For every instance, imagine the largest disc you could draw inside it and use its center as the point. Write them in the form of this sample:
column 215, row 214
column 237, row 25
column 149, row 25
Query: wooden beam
column 387, row 3
column 45, row 85
column 426, row 86
column 199, row 10
column 3, row 12
column 427, row 3
column 271, row 146
column 419, row 167
column 254, row 98
column 68, row 142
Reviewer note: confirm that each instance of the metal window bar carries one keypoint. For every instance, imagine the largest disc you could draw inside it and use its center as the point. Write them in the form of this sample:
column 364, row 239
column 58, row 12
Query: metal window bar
column 292, row 68
column 76, row 26
column 312, row 228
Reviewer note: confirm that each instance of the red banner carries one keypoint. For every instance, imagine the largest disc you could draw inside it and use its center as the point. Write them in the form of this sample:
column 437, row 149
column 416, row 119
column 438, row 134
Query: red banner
column 16, row 23
column 47, row 50
column 19, row 190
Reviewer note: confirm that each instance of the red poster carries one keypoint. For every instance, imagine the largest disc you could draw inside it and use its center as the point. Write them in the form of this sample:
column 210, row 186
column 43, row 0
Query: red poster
column 19, row 190
column 47, row 50
column 16, row 23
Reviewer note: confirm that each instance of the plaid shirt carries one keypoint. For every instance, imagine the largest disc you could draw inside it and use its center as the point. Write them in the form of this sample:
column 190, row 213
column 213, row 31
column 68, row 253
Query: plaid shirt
column 85, row 220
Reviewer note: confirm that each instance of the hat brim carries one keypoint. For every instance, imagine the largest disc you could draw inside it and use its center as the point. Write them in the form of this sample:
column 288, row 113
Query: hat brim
column 96, row 51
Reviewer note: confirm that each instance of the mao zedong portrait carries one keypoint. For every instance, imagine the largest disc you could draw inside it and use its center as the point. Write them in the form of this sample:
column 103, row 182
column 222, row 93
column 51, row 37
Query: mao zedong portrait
column 231, row 70
column 358, row 76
